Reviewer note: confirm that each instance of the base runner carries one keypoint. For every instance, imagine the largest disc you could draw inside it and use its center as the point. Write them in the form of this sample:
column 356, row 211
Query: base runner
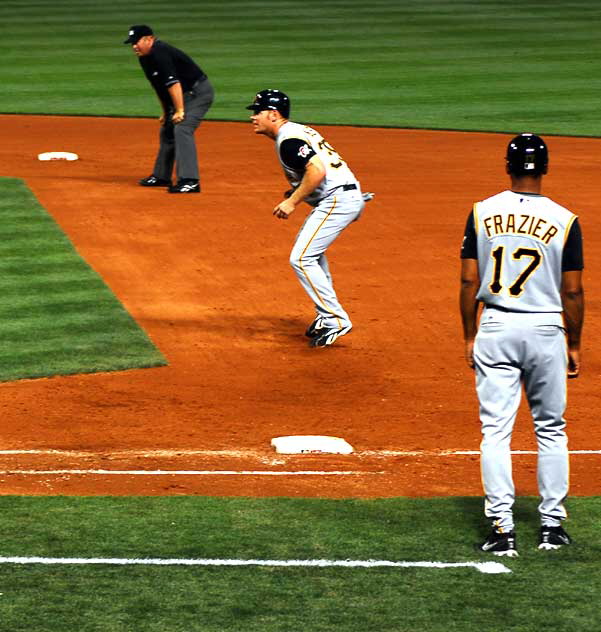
column 320, row 177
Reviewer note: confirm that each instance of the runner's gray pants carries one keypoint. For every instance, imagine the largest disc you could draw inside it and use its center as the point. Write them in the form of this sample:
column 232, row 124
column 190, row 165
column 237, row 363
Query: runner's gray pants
column 308, row 257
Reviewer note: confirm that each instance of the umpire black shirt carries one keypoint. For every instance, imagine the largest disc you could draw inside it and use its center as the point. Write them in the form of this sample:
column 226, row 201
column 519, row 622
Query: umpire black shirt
column 166, row 65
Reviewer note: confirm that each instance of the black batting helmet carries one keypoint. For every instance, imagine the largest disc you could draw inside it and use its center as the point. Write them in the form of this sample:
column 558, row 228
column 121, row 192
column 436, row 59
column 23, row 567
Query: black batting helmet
column 271, row 100
column 527, row 155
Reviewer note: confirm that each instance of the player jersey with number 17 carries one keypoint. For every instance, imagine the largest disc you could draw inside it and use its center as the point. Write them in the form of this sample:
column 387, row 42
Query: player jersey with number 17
column 520, row 241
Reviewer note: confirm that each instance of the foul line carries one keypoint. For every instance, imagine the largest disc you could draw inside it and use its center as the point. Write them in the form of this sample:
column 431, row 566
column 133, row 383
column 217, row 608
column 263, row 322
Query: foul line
column 189, row 472
column 483, row 567
column 454, row 452
column 256, row 453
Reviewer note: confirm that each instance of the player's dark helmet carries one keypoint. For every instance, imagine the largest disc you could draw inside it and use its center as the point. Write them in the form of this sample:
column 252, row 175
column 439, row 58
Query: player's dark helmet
column 271, row 100
column 527, row 155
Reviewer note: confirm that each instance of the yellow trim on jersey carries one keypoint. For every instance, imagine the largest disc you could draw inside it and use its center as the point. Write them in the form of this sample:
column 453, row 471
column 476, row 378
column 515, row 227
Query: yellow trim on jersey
column 475, row 212
column 568, row 227
column 300, row 259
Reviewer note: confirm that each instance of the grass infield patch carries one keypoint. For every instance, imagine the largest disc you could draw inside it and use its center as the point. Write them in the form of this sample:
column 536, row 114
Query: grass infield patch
column 559, row 588
column 57, row 316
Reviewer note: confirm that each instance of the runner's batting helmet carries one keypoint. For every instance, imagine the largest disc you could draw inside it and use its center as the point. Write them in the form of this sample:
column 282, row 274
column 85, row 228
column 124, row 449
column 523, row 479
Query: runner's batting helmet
column 271, row 100
column 527, row 155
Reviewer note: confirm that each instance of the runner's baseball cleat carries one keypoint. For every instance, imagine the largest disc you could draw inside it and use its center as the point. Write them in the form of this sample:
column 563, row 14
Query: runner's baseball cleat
column 501, row 544
column 553, row 538
column 315, row 328
column 328, row 336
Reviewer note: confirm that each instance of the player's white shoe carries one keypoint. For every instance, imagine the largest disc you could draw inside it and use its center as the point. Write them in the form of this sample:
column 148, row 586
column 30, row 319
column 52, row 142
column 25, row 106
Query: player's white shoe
column 328, row 336
column 315, row 328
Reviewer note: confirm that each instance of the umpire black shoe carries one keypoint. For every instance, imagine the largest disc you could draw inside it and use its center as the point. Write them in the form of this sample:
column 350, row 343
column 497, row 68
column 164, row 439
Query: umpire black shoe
column 185, row 186
column 500, row 544
column 553, row 538
column 153, row 181
column 327, row 337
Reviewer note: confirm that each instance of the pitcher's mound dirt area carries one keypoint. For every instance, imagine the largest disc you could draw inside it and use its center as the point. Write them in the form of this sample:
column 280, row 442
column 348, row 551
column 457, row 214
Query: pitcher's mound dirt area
column 207, row 277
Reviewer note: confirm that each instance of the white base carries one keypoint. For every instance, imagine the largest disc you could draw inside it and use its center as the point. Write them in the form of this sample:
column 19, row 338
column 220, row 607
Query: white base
column 311, row 444
column 58, row 155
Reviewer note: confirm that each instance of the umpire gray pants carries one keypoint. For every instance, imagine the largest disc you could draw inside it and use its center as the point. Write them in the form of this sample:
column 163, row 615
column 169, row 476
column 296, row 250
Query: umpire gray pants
column 176, row 141
column 510, row 349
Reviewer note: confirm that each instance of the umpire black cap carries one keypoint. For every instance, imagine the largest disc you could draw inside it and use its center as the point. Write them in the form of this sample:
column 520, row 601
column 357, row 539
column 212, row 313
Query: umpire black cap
column 271, row 100
column 527, row 155
column 136, row 32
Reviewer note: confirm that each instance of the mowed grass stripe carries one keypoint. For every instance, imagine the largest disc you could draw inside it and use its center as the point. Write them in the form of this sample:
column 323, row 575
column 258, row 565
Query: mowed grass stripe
column 556, row 586
column 57, row 316
column 500, row 66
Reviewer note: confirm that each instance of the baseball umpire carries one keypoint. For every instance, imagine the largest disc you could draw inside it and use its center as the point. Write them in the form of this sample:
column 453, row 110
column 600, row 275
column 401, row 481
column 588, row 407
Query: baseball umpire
column 522, row 258
column 319, row 176
column 185, row 94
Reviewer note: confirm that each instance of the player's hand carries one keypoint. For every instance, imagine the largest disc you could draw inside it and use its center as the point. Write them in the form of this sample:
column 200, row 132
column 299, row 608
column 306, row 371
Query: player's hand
column 284, row 209
column 178, row 116
column 469, row 353
column 162, row 118
column 573, row 363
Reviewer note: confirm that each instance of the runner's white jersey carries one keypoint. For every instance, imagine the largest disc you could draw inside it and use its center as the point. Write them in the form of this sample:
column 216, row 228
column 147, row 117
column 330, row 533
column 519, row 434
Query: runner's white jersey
column 337, row 171
column 520, row 240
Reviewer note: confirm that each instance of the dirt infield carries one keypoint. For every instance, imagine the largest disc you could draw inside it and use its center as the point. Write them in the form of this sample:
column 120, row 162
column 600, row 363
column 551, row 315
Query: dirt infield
column 208, row 278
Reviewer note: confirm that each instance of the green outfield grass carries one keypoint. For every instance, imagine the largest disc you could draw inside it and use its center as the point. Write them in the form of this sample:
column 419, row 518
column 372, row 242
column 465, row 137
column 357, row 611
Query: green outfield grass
column 57, row 316
column 555, row 590
column 487, row 65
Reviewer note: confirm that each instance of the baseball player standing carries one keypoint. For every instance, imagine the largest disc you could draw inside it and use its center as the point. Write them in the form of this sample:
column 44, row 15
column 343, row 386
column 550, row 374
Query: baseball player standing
column 522, row 258
column 319, row 176
column 185, row 94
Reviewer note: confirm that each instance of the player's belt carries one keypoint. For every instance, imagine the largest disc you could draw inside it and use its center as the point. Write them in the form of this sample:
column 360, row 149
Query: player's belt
column 344, row 187
column 500, row 308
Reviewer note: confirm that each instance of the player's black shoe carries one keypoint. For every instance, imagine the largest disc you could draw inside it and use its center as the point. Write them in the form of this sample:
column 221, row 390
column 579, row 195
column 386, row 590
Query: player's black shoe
column 185, row 186
column 327, row 337
column 499, row 543
column 153, row 181
column 315, row 328
column 553, row 538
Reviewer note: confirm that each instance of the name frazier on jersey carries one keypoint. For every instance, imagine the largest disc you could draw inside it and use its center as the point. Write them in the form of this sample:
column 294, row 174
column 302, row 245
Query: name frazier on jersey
column 521, row 224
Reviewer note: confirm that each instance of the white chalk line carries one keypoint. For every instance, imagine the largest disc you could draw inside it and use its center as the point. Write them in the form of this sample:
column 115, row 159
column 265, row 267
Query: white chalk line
column 483, row 567
column 456, row 452
column 188, row 473
column 138, row 453
column 254, row 453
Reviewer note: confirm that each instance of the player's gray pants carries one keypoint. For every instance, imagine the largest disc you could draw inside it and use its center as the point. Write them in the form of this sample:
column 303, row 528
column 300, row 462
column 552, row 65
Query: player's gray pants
column 308, row 259
column 512, row 348
column 176, row 141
